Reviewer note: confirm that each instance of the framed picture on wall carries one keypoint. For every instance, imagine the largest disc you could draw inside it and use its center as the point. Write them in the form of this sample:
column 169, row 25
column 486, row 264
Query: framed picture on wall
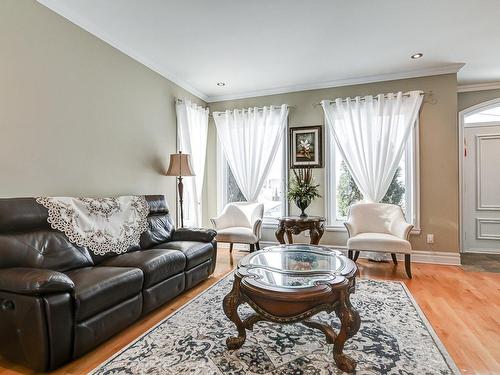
column 306, row 147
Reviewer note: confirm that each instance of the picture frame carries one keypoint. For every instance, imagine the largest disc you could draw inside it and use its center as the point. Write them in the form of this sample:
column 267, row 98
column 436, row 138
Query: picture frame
column 306, row 146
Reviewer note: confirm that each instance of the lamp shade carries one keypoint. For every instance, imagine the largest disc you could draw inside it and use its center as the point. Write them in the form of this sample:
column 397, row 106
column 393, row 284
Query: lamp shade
column 180, row 165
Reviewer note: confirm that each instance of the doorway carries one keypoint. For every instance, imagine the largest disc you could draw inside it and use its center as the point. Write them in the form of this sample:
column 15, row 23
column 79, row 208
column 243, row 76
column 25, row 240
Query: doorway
column 479, row 128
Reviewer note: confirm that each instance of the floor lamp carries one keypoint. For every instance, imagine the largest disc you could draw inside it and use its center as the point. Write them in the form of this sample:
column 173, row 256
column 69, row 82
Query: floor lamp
column 180, row 166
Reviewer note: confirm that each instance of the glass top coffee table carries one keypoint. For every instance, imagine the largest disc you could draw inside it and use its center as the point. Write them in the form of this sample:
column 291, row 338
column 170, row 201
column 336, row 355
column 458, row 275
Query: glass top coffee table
column 291, row 283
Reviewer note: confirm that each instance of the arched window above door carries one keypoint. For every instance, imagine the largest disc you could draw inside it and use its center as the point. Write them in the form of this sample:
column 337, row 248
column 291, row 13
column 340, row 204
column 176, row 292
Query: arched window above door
column 489, row 113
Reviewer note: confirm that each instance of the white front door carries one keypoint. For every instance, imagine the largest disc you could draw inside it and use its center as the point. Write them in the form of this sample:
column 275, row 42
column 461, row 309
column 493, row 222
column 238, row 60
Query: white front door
column 481, row 188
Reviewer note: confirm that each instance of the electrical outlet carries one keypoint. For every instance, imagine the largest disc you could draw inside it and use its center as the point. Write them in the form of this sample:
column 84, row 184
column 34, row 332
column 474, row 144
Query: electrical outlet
column 430, row 238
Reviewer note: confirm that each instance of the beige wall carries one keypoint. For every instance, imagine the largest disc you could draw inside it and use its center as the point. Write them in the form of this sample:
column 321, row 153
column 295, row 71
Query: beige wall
column 78, row 117
column 438, row 152
column 468, row 99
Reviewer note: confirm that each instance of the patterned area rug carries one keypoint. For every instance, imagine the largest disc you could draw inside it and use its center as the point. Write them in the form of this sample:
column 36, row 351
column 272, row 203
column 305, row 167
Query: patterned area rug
column 394, row 338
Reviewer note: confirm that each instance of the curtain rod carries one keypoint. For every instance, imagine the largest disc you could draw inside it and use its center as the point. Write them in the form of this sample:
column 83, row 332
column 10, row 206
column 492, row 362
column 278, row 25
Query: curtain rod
column 258, row 108
column 180, row 101
column 363, row 98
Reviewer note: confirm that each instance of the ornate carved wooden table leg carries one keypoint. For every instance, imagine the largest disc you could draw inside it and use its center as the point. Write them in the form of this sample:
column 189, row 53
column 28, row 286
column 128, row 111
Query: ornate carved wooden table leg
column 230, row 304
column 316, row 232
column 349, row 319
column 327, row 330
column 289, row 236
column 280, row 233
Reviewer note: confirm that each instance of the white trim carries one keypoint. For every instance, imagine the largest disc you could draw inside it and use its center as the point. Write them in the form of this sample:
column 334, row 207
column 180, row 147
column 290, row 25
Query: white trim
column 460, row 148
column 444, row 69
column 482, row 251
column 330, row 201
column 415, row 199
column 221, row 177
column 417, row 256
column 481, row 124
column 435, row 257
column 479, row 232
column 479, row 87
column 60, row 8
column 477, row 108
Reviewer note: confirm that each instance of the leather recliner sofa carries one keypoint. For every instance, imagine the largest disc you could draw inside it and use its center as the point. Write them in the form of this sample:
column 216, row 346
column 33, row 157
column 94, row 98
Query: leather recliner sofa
column 59, row 300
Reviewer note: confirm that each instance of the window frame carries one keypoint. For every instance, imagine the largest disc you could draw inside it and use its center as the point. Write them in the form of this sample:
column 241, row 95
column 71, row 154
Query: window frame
column 222, row 176
column 412, row 178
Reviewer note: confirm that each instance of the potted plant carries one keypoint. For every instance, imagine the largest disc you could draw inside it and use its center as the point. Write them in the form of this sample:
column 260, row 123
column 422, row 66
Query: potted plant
column 302, row 189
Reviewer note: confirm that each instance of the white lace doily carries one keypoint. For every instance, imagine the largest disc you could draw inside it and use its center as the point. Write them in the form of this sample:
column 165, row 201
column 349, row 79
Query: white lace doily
column 102, row 225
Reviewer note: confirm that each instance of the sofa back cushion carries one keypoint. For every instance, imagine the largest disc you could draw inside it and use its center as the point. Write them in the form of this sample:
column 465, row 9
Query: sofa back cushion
column 160, row 224
column 26, row 239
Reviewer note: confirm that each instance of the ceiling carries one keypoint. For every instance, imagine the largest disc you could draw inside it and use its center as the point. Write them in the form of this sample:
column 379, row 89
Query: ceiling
column 269, row 46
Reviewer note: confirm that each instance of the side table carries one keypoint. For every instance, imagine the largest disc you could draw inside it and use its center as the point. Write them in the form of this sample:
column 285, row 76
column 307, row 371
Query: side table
column 296, row 224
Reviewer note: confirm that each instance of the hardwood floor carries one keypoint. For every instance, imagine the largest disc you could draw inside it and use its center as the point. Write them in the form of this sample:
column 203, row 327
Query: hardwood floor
column 463, row 307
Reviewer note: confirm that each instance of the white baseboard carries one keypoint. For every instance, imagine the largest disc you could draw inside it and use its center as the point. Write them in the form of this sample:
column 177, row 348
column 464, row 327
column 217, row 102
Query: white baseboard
column 417, row 256
column 434, row 257
column 482, row 251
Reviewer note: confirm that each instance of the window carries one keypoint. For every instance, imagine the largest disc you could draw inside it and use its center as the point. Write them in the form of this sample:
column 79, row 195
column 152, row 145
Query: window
column 489, row 114
column 341, row 190
column 273, row 191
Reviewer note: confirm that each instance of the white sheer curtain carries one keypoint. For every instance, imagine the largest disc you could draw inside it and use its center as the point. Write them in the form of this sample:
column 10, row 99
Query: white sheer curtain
column 371, row 134
column 192, row 130
column 250, row 139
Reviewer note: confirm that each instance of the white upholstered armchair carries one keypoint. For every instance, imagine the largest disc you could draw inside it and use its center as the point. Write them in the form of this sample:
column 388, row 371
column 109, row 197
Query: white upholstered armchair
column 240, row 222
column 379, row 227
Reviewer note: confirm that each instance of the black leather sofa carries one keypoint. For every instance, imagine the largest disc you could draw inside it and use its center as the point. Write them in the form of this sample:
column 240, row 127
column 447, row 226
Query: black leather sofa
column 58, row 300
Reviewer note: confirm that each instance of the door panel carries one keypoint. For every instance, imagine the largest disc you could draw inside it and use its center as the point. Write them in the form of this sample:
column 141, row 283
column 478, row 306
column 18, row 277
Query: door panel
column 488, row 178
column 481, row 189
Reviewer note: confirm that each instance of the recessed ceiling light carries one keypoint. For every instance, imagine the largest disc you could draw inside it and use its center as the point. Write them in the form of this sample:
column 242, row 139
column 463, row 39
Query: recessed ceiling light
column 417, row 56
column 221, row 84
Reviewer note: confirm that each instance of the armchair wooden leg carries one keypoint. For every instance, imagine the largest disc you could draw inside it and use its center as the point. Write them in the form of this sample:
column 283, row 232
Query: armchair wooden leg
column 408, row 265
column 394, row 259
column 252, row 247
column 356, row 255
column 231, row 247
column 257, row 245
column 349, row 254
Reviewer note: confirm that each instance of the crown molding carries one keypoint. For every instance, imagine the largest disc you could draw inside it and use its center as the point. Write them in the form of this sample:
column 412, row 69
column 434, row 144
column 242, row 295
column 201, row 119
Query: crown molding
column 444, row 69
column 59, row 8
column 479, row 87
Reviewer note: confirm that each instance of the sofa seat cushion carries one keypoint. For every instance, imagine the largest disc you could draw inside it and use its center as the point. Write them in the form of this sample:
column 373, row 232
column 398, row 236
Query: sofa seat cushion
column 99, row 288
column 195, row 252
column 156, row 264
column 379, row 242
column 236, row 235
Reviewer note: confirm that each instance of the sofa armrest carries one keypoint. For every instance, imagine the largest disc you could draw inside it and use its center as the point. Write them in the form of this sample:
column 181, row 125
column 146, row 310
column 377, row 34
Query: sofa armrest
column 34, row 281
column 402, row 229
column 192, row 234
